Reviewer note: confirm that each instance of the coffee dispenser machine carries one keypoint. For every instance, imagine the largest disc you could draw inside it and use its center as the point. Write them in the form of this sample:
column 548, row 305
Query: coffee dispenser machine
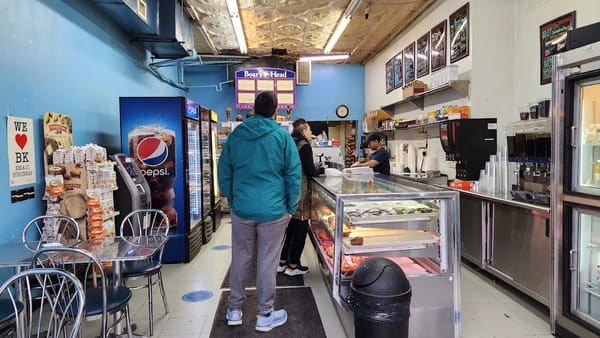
column 469, row 142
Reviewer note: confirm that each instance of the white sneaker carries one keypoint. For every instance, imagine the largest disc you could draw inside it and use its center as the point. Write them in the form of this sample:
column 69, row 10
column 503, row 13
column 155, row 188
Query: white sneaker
column 281, row 267
column 298, row 270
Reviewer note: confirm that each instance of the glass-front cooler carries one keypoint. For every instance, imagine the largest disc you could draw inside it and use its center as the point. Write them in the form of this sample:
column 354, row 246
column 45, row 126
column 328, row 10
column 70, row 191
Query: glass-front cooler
column 585, row 269
column 194, row 172
column 576, row 192
column 586, row 123
column 413, row 224
column 206, row 162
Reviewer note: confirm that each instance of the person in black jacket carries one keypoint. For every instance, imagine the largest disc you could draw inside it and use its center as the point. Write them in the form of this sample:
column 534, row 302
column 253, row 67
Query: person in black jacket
column 295, row 235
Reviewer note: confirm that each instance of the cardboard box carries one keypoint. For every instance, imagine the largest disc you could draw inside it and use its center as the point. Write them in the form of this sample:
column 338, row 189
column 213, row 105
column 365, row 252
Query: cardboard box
column 413, row 88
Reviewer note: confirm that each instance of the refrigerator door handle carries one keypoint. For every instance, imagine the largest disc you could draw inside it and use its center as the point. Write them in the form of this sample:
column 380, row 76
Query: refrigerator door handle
column 572, row 257
column 574, row 136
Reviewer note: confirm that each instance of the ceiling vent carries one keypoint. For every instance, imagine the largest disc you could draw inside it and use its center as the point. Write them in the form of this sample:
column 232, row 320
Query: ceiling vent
column 303, row 72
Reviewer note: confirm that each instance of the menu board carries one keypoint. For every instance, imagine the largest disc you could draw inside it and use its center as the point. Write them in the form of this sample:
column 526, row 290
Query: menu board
column 265, row 85
column 250, row 82
column 553, row 40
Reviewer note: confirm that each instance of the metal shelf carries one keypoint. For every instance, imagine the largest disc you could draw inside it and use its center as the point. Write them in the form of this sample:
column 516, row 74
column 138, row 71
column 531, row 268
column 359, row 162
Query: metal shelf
column 460, row 86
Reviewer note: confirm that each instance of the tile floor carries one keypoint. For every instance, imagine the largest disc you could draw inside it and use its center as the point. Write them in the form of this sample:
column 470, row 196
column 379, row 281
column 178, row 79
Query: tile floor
column 488, row 310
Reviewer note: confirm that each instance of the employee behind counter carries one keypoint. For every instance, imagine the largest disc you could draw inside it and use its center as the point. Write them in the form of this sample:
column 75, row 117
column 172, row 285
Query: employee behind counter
column 379, row 159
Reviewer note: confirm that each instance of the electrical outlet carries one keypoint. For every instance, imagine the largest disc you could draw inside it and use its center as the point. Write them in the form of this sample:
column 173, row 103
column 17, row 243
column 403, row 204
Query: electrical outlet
column 451, row 164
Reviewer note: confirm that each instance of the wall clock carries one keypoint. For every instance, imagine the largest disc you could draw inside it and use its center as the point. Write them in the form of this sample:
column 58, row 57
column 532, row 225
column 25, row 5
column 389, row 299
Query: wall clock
column 342, row 111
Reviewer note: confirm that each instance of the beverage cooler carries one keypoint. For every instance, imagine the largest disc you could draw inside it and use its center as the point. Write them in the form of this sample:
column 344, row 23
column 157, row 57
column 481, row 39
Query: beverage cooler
column 576, row 191
column 216, row 192
column 163, row 136
column 207, row 175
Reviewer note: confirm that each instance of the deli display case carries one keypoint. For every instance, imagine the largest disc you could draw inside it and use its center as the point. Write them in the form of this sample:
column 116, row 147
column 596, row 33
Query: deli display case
column 357, row 217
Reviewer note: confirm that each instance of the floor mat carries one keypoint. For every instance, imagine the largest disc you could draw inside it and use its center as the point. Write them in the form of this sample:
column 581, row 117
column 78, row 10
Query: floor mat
column 282, row 279
column 303, row 316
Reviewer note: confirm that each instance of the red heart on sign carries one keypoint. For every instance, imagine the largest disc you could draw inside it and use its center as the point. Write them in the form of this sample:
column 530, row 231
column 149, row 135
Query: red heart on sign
column 21, row 140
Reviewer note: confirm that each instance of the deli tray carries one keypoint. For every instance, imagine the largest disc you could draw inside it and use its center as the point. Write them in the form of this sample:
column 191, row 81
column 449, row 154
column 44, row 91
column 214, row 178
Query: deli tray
column 394, row 240
column 396, row 211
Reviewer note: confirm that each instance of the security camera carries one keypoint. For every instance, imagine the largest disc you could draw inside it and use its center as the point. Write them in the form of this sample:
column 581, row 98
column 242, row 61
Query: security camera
column 367, row 10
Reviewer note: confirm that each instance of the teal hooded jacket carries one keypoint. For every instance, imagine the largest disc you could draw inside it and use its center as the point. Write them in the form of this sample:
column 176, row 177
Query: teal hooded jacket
column 260, row 171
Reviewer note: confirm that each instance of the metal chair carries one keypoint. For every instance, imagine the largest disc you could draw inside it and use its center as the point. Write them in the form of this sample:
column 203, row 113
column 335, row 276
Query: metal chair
column 146, row 222
column 101, row 299
column 40, row 230
column 56, row 312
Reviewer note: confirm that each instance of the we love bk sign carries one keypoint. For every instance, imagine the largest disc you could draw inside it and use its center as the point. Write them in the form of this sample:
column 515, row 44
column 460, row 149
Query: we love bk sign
column 21, row 150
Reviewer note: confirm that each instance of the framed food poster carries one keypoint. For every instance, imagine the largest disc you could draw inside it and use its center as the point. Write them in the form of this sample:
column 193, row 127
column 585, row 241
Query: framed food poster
column 397, row 62
column 423, row 55
column 459, row 33
column 438, row 46
column 389, row 76
column 409, row 63
column 553, row 39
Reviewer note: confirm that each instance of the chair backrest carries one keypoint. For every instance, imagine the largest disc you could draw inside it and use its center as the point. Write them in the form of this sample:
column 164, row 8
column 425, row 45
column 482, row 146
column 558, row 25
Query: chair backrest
column 49, row 228
column 56, row 312
column 80, row 262
column 145, row 222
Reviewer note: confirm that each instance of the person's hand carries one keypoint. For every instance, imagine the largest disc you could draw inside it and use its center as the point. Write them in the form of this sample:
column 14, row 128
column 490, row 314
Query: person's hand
column 355, row 164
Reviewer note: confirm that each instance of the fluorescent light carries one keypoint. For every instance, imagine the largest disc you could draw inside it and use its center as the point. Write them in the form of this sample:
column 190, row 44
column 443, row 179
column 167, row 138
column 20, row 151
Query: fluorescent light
column 234, row 14
column 330, row 57
column 342, row 24
column 336, row 34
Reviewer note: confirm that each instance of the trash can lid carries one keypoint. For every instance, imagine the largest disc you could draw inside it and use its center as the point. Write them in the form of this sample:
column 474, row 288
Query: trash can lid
column 380, row 276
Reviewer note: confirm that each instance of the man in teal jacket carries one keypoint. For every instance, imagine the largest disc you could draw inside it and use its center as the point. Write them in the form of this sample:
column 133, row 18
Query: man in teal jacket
column 260, row 174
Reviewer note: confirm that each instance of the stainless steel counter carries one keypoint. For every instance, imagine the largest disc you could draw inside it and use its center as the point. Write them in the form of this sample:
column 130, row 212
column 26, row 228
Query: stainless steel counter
column 505, row 199
column 510, row 239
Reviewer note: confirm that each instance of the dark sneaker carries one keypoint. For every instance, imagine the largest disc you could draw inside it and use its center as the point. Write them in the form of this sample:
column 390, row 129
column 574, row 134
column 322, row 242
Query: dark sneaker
column 297, row 270
column 282, row 266
column 266, row 324
column 234, row 317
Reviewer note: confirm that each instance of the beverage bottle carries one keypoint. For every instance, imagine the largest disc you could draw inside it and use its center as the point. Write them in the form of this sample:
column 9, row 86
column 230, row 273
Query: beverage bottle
column 596, row 173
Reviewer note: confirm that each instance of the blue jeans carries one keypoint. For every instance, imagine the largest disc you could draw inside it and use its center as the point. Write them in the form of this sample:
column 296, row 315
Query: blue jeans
column 267, row 236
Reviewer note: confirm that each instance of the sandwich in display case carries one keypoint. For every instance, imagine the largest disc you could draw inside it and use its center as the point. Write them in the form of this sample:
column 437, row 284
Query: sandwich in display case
column 357, row 217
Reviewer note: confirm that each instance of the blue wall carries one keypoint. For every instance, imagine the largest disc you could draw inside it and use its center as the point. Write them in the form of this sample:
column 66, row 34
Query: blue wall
column 331, row 86
column 67, row 56
column 64, row 56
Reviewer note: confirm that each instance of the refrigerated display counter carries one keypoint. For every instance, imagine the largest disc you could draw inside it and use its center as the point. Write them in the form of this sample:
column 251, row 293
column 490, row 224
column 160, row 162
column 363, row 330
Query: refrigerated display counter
column 413, row 224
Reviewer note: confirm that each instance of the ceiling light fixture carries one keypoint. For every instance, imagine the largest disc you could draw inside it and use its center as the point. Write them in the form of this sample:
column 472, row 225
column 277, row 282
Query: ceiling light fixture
column 234, row 14
column 330, row 57
column 342, row 24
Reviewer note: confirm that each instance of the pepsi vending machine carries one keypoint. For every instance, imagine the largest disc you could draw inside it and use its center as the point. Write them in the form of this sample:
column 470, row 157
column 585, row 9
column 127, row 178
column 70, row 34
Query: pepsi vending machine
column 162, row 135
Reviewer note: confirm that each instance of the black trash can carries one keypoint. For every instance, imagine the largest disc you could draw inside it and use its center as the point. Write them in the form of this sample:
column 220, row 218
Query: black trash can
column 380, row 299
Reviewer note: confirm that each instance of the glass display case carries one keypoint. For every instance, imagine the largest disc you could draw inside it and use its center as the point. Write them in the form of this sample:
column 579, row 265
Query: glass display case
column 413, row 224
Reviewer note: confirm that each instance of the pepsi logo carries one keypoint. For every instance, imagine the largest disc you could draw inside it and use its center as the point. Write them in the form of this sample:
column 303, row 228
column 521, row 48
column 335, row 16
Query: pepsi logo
column 152, row 151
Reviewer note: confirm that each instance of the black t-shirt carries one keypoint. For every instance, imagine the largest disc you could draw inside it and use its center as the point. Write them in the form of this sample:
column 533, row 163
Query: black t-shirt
column 381, row 156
